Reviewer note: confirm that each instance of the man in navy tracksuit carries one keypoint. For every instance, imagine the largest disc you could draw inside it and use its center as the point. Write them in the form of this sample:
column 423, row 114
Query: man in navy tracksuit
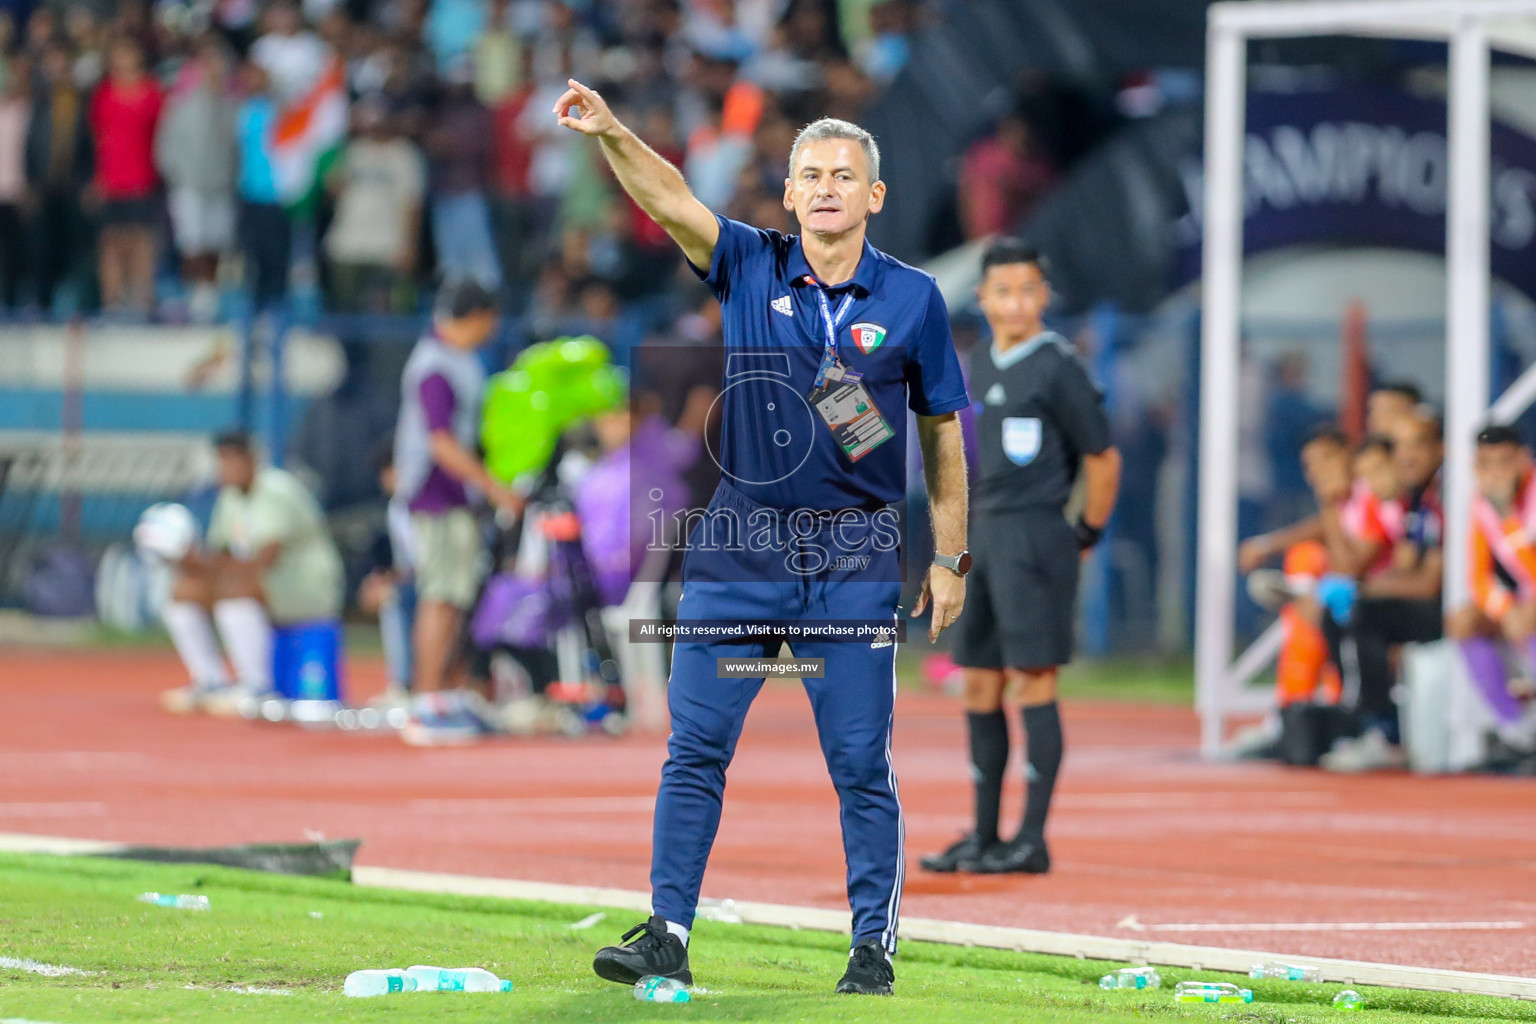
column 828, row 342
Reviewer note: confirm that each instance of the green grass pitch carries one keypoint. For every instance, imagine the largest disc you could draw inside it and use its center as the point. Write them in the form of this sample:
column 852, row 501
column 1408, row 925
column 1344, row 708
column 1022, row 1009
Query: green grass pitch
column 302, row 936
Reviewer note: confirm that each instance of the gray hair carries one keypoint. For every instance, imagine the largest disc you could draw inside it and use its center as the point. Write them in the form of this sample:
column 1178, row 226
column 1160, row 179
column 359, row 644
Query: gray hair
column 832, row 128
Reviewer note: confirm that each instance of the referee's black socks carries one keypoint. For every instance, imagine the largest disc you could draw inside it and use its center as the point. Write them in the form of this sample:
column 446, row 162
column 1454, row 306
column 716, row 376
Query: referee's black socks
column 989, row 759
column 1042, row 734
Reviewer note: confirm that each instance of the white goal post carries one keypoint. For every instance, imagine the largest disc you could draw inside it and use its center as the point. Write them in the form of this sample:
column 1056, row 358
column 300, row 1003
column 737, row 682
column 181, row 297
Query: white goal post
column 1471, row 27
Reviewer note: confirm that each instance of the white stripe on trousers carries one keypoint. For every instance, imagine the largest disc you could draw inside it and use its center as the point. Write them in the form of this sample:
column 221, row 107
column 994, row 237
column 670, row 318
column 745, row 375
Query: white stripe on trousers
column 893, row 905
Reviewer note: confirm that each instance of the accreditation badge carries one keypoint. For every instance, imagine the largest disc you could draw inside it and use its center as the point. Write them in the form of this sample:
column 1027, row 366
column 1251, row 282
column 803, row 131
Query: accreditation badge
column 844, row 403
column 1022, row 436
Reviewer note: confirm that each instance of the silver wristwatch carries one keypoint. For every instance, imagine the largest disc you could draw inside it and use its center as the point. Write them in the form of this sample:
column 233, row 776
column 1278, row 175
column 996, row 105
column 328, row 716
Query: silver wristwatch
column 958, row 564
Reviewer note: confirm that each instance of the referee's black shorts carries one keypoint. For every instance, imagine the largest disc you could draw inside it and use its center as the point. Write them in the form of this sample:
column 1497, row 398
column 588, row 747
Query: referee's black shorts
column 1021, row 594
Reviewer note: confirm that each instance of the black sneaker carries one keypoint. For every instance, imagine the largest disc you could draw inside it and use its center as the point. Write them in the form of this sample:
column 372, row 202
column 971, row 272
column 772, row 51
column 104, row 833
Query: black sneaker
column 869, row 971
column 656, row 951
column 1021, row 856
column 968, row 848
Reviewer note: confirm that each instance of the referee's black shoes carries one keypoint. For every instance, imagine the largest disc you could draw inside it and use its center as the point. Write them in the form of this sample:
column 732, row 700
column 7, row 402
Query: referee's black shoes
column 654, row 950
column 1020, row 856
column 869, row 971
column 958, row 856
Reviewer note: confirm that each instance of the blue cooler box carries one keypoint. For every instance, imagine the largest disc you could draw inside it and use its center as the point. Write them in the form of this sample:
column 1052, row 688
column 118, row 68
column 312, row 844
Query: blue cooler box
column 306, row 661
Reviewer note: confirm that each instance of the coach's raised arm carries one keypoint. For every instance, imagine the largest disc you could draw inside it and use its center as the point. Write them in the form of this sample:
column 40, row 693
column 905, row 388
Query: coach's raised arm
column 651, row 181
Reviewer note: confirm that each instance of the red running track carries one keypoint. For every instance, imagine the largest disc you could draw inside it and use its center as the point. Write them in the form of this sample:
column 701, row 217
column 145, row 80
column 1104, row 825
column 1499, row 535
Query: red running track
column 1143, row 835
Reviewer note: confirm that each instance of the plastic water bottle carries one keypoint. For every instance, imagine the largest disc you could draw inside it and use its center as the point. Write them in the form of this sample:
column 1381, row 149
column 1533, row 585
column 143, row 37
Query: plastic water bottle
column 1286, row 972
column 165, row 899
column 456, row 979
column 378, row 983
column 655, row 989
column 1210, row 992
column 1349, row 999
column 1132, row 977
column 722, row 911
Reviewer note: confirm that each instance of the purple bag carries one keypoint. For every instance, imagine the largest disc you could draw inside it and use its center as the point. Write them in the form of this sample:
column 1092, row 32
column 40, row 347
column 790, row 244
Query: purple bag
column 518, row 611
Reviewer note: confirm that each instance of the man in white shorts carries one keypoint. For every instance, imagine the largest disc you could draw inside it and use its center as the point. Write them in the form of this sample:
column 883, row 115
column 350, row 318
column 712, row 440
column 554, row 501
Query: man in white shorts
column 269, row 558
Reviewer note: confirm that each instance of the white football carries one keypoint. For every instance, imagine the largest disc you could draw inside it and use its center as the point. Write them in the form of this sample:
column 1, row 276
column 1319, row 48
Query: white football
column 166, row 532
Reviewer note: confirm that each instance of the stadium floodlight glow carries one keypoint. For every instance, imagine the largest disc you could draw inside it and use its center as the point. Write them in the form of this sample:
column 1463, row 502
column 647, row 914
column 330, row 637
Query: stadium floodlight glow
column 1471, row 27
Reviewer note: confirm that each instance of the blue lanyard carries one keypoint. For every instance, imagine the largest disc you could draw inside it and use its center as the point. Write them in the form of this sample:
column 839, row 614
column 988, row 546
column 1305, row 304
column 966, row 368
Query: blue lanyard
column 831, row 321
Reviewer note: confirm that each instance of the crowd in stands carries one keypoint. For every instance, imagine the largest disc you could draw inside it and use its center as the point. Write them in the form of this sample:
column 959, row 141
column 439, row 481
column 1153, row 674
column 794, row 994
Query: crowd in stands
column 1362, row 577
column 357, row 150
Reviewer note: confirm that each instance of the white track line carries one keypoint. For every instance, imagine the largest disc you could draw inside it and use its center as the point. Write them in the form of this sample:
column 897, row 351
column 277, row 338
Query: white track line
column 1351, row 926
column 17, row 842
column 1094, row 947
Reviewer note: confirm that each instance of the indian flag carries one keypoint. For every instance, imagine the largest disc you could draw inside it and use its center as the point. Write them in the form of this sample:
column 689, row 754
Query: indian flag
column 306, row 130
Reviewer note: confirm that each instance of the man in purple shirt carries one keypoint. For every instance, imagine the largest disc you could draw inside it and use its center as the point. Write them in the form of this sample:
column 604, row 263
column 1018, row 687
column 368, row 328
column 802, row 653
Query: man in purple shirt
column 437, row 472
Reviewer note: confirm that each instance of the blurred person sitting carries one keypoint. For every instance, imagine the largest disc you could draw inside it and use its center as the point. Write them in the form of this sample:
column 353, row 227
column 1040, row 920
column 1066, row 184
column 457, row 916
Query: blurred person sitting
column 1386, row 406
column 378, row 182
column 60, row 166
column 437, row 470
column 15, row 117
column 197, row 153
column 458, row 144
column 1355, row 539
column 266, row 238
column 124, row 115
column 1503, row 579
column 269, row 559
column 1399, row 604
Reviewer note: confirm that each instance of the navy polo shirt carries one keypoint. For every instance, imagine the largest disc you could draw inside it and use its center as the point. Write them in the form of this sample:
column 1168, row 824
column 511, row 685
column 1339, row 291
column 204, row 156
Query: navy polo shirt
column 773, row 446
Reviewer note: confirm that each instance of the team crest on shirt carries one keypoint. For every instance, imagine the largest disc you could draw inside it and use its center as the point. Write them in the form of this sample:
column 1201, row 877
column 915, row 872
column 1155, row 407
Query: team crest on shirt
column 867, row 336
column 1021, row 439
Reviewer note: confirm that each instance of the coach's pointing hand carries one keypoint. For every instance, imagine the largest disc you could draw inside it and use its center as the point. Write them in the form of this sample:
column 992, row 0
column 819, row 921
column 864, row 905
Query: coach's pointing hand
column 595, row 117
column 946, row 588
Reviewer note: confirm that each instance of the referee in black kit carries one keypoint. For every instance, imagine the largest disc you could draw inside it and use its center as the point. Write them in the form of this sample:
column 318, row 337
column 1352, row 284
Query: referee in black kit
column 1039, row 418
